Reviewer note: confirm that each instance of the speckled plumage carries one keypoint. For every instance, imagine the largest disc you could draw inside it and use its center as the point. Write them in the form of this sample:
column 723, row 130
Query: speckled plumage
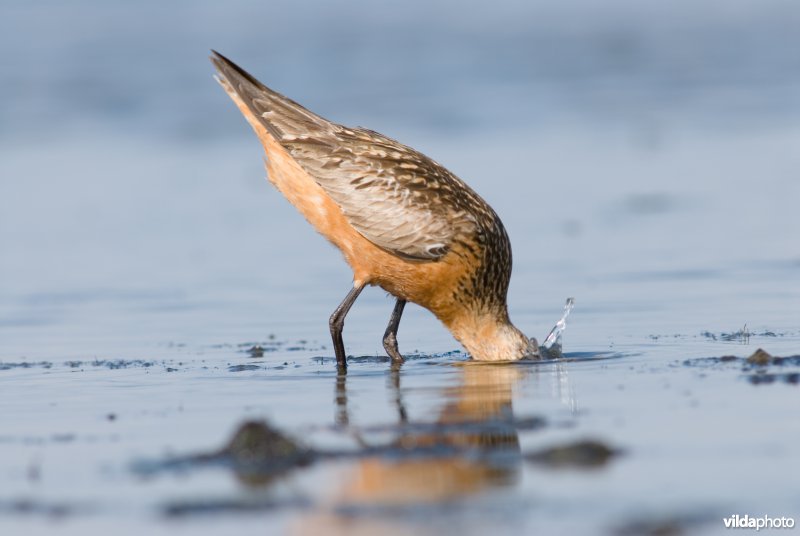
column 396, row 198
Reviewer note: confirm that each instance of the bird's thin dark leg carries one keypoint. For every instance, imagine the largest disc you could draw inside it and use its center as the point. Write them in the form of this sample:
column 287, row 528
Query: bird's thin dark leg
column 336, row 324
column 390, row 337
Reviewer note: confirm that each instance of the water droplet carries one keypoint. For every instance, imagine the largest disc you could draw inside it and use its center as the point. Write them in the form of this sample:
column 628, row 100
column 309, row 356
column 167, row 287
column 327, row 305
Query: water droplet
column 551, row 347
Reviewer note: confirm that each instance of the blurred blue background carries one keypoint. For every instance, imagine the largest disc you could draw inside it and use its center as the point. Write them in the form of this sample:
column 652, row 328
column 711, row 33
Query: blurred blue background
column 643, row 155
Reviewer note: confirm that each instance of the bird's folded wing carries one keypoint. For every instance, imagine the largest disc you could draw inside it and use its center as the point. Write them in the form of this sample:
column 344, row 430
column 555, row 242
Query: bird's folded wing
column 396, row 197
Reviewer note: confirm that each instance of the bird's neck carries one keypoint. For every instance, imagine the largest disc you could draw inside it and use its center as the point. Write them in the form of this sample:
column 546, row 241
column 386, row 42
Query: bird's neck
column 490, row 336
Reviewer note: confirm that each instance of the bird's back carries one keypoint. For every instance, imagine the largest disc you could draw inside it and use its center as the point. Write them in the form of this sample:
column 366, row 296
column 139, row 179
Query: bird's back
column 422, row 233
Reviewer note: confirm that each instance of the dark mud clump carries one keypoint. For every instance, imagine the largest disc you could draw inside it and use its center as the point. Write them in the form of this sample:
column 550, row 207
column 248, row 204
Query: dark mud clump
column 766, row 378
column 256, row 454
column 112, row 364
column 587, row 454
column 227, row 506
column 742, row 335
column 256, row 351
column 26, row 364
column 243, row 368
column 258, row 446
column 760, row 357
column 756, row 367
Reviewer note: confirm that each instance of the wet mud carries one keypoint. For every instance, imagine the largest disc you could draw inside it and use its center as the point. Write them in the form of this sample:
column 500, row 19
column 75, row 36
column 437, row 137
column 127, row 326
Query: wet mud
column 587, row 453
column 759, row 368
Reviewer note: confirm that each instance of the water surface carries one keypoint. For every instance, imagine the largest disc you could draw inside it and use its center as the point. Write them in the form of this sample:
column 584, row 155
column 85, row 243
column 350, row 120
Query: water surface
column 644, row 160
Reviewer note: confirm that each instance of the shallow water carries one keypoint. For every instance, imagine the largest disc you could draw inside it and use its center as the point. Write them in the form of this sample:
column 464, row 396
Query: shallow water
column 640, row 162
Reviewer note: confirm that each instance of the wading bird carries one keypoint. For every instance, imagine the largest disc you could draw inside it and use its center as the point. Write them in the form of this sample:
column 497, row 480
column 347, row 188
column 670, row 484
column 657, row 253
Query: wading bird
column 402, row 221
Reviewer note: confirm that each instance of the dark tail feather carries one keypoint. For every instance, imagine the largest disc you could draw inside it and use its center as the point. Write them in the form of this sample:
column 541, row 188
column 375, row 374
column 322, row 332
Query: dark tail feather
column 231, row 71
column 280, row 115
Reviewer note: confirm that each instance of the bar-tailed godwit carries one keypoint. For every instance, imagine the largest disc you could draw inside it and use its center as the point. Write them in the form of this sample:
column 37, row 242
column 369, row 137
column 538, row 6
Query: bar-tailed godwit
column 402, row 221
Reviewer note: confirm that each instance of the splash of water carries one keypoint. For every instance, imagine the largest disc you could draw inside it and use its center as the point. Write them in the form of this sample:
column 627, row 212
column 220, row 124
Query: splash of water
column 551, row 347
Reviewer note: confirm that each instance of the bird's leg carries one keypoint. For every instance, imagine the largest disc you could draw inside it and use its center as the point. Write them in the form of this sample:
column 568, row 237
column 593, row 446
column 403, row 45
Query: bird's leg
column 390, row 337
column 336, row 324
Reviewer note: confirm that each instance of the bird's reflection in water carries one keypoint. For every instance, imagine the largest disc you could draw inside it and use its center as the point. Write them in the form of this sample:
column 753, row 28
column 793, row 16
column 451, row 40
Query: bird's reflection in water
column 471, row 445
